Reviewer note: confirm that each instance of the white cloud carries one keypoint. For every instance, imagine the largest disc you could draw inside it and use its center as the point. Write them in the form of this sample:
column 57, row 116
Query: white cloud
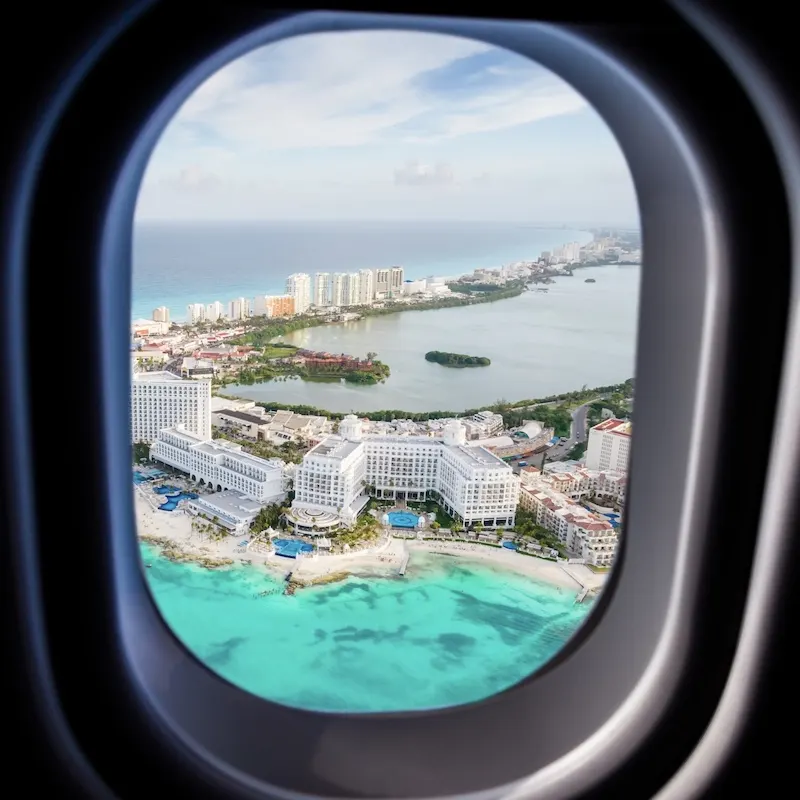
column 317, row 126
column 351, row 89
column 416, row 174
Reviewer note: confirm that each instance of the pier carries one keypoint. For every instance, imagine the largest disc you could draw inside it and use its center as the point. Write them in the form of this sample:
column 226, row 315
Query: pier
column 582, row 596
column 404, row 565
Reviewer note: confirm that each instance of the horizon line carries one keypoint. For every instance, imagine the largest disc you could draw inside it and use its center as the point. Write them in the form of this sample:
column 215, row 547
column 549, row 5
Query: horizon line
column 549, row 224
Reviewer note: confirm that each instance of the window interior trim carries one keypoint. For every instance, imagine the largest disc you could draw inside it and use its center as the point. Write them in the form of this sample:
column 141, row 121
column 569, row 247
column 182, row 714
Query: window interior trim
column 157, row 676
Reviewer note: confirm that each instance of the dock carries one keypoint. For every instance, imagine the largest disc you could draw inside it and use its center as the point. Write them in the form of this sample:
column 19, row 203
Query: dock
column 582, row 596
column 404, row 565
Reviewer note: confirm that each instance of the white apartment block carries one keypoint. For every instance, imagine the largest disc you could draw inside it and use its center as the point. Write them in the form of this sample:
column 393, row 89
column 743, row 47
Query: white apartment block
column 569, row 253
column 470, row 483
column 215, row 311
column 261, row 305
column 389, row 281
column 298, row 286
column 366, row 287
column 589, row 535
column 221, row 465
column 609, row 446
column 352, row 289
column 415, row 287
column 162, row 400
column 195, row 312
column 337, row 289
column 483, row 425
column 161, row 314
column 239, row 308
column 322, row 289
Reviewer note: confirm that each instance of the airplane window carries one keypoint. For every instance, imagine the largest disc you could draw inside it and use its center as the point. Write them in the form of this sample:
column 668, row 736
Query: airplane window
column 385, row 296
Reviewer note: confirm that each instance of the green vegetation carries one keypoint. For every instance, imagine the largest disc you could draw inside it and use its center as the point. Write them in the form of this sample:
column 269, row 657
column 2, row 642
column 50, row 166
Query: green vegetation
column 527, row 528
column 556, row 417
column 262, row 330
column 443, row 520
column 366, row 530
column 616, row 403
column 476, row 288
column 279, row 350
column 577, row 451
column 141, row 452
column 261, row 368
column 268, row 517
column 457, row 360
column 555, row 414
column 290, row 451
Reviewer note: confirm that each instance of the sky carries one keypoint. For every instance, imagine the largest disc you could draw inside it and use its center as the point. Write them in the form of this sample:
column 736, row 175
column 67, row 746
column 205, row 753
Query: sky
column 382, row 125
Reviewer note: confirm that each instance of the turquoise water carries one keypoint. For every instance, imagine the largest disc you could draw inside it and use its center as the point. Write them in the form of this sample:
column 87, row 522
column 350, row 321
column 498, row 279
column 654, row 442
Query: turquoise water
column 403, row 519
column 449, row 632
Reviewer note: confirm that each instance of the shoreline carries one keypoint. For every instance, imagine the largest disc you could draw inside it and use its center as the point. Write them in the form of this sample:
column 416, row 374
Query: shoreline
column 172, row 534
column 145, row 304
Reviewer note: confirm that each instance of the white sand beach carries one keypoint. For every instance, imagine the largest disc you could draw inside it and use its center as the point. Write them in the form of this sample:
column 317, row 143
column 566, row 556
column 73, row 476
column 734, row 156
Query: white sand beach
column 387, row 556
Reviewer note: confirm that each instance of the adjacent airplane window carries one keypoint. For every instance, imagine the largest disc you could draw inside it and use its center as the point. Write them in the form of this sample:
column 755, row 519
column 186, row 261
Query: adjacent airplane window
column 382, row 344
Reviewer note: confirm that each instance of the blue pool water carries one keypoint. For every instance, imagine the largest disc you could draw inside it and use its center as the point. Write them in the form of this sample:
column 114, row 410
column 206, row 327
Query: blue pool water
column 290, row 548
column 172, row 501
column 403, row 519
column 509, row 545
column 166, row 489
column 449, row 632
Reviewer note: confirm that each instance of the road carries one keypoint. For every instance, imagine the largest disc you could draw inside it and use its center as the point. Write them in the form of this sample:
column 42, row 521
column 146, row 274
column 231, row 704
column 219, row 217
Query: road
column 577, row 432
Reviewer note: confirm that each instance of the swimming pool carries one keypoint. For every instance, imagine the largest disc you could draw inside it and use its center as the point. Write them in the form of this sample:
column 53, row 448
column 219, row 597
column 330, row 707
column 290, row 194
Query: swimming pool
column 166, row 489
column 403, row 519
column 290, row 548
column 145, row 475
column 172, row 501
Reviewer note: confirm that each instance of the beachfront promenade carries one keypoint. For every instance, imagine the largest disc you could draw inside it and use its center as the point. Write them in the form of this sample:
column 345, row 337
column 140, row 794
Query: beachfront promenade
column 387, row 557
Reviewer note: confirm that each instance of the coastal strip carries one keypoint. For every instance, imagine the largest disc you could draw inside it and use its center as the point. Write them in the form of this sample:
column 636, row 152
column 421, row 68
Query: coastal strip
column 172, row 534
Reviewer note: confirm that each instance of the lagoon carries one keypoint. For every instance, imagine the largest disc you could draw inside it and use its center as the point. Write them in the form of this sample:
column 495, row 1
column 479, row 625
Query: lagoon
column 539, row 343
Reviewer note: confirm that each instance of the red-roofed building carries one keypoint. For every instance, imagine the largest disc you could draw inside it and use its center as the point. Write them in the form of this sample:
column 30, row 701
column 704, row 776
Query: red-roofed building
column 609, row 445
column 589, row 535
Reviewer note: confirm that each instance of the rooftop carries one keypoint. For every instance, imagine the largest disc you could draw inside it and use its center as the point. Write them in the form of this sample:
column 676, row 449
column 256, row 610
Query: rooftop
column 477, row 456
column 614, row 425
column 243, row 416
column 230, row 502
column 158, row 377
column 334, row 447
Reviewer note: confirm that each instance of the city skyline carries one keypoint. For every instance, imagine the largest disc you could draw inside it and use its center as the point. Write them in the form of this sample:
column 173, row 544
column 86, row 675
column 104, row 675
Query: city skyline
column 438, row 128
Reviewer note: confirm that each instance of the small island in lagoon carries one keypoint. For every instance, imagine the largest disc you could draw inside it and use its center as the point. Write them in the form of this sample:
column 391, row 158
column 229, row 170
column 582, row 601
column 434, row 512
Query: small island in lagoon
column 457, row 360
column 590, row 280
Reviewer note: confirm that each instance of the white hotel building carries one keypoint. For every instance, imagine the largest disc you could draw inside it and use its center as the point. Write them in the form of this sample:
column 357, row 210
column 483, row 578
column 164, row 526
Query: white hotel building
column 162, row 400
column 470, row 483
column 609, row 446
column 221, row 465
column 298, row 286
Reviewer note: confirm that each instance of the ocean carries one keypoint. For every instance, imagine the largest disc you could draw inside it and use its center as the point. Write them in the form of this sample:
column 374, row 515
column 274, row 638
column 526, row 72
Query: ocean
column 175, row 264
column 449, row 632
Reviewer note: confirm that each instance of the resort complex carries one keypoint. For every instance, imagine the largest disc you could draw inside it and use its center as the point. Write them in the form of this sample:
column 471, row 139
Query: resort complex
column 471, row 484
column 437, row 478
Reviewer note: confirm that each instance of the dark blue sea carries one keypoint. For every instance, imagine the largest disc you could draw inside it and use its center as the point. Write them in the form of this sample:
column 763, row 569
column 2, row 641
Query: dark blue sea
column 175, row 264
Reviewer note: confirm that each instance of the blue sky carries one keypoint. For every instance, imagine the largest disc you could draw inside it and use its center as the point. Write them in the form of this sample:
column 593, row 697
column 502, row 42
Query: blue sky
column 387, row 125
